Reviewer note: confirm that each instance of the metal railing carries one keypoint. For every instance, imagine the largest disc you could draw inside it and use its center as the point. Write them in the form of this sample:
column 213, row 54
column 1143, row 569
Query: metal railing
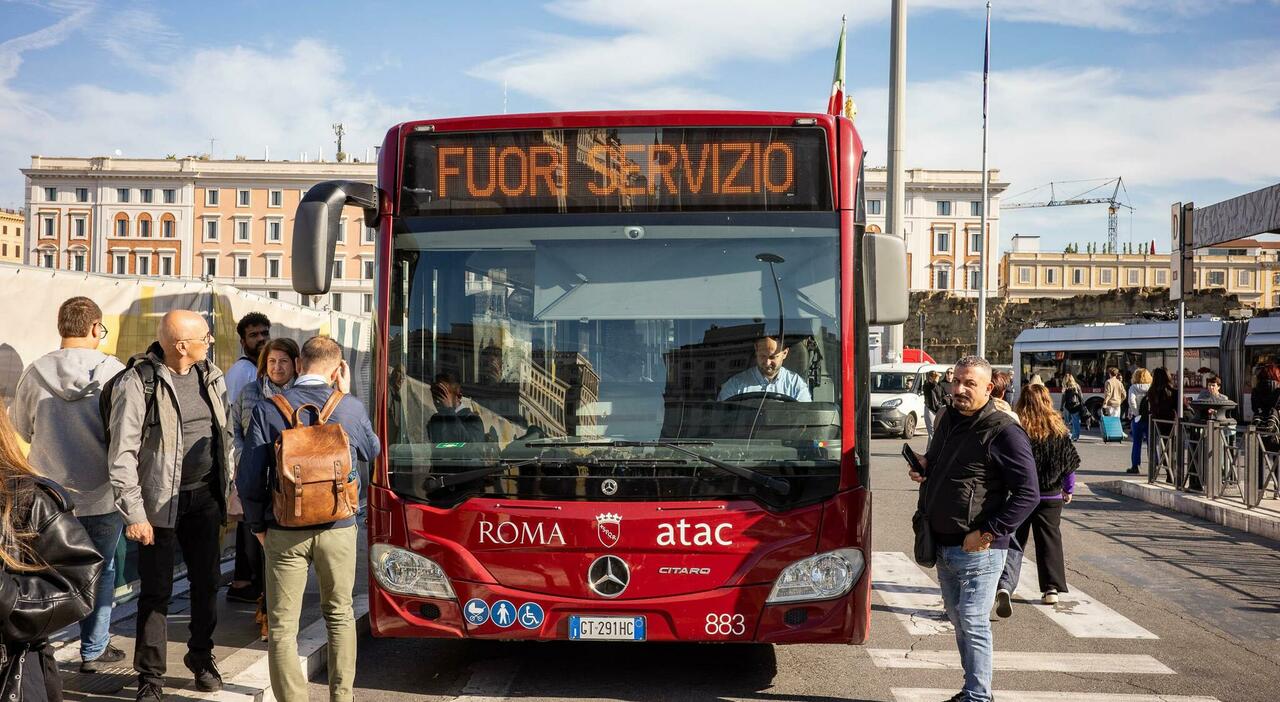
column 1220, row 460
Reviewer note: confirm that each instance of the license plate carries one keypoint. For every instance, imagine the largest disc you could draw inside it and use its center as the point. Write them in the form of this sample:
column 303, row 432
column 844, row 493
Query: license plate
column 606, row 628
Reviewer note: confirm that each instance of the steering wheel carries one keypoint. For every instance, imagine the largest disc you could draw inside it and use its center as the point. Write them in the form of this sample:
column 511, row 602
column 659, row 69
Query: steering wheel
column 760, row 395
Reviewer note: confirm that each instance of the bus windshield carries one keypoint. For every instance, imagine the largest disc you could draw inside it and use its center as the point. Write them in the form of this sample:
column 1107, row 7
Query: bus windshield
column 614, row 359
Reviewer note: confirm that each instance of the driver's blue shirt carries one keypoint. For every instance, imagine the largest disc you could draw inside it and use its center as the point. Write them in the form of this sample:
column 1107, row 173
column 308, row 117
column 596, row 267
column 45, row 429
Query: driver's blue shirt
column 752, row 380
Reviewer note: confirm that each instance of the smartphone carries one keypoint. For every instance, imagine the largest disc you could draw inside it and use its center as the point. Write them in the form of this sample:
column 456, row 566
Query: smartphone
column 912, row 459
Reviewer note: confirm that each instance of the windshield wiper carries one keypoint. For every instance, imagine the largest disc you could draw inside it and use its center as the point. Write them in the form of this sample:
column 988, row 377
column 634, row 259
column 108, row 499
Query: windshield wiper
column 770, row 482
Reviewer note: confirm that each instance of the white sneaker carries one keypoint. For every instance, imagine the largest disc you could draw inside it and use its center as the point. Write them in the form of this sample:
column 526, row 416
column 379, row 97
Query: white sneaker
column 1050, row 597
column 1004, row 604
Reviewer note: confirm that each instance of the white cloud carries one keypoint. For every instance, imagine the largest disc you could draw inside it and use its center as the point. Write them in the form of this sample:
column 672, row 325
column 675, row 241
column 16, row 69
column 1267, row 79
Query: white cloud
column 245, row 98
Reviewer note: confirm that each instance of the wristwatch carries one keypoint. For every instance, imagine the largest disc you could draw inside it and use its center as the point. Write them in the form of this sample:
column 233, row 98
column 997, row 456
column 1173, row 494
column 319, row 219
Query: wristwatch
column 986, row 537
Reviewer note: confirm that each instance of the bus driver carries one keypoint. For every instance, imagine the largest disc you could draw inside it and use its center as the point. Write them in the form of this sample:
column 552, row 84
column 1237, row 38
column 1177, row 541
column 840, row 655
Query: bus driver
column 767, row 375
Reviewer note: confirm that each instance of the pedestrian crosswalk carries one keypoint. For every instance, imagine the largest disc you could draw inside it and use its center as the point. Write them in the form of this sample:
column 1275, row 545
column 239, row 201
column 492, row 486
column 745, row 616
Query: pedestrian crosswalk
column 911, row 594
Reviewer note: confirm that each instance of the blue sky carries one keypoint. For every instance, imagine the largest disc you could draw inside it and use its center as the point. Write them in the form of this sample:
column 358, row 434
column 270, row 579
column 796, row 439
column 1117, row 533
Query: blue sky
column 1180, row 97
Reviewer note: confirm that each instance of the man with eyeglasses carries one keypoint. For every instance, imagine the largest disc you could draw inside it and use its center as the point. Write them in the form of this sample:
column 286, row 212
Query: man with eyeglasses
column 55, row 409
column 171, row 460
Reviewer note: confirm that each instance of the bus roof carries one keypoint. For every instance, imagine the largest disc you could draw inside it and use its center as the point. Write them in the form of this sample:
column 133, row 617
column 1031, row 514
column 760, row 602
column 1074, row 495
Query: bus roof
column 621, row 118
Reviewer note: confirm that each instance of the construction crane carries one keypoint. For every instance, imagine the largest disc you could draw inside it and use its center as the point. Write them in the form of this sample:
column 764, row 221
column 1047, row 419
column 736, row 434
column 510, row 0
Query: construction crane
column 1085, row 197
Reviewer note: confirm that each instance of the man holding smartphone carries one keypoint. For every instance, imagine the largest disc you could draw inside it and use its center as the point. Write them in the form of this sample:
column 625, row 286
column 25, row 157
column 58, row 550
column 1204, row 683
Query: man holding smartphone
column 979, row 479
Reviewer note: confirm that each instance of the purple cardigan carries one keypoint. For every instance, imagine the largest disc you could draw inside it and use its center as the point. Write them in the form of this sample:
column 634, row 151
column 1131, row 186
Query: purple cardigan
column 1068, row 486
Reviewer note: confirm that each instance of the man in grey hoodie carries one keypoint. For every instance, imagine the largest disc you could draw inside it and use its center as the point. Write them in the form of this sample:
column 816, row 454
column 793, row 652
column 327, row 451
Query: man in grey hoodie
column 55, row 409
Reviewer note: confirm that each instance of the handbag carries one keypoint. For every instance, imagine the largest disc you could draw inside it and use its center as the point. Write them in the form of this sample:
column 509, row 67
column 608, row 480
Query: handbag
column 926, row 551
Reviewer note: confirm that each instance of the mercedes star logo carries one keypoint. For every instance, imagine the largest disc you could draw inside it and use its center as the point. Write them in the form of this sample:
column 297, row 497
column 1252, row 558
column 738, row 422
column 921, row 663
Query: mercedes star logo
column 609, row 486
column 608, row 576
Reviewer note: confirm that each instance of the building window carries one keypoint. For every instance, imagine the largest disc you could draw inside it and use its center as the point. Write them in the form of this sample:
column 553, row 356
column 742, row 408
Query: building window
column 121, row 265
column 242, row 230
column 79, row 228
column 275, row 198
column 273, row 268
column 122, row 194
column 273, row 294
column 304, row 300
column 342, row 231
column 122, row 228
column 338, row 269
column 166, row 265
column 1077, row 276
column 1104, row 276
column 1162, row 277
column 975, row 242
column 77, row 262
column 211, row 230
column 942, row 240
column 273, row 231
column 1218, row 278
column 51, row 194
column 242, row 198
column 944, row 208
column 873, row 207
column 144, row 265
column 368, row 270
column 144, row 228
column 82, row 194
column 1051, row 276
column 1242, row 279
column 975, row 208
column 335, row 302
column 1135, row 276
column 170, row 196
column 941, row 279
column 166, row 228
column 242, row 267
column 211, row 267
column 369, row 233
column 1024, row 275
column 145, row 195
column 211, row 197
column 975, row 279
column 47, row 259
column 368, row 303
column 48, row 230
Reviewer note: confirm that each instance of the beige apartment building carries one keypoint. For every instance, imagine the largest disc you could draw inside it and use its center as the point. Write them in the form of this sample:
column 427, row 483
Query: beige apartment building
column 942, row 218
column 1249, row 269
column 226, row 220
column 12, row 224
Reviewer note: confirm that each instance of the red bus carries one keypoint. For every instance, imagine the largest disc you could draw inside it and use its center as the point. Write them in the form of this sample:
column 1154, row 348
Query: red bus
column 568, row 312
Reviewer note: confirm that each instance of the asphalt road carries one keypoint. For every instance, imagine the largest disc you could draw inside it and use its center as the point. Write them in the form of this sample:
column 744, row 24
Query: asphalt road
column 1163, row 607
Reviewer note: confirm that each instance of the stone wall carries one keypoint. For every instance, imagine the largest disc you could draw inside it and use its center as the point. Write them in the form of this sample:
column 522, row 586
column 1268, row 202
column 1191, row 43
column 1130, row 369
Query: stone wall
column 950, row 321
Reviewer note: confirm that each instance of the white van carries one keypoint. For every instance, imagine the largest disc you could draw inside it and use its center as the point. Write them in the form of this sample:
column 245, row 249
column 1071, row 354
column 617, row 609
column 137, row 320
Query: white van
column 897, row 402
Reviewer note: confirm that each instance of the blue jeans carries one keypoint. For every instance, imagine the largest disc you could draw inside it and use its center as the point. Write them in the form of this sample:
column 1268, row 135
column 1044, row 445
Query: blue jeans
column 1138, row 431
column 968, row 582
column 1075, row 426
column 95, row 630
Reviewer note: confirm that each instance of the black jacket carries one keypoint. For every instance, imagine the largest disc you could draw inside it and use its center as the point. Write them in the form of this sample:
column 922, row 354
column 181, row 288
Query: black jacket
column 934, row 398
column 980, row 475
column 35, row 604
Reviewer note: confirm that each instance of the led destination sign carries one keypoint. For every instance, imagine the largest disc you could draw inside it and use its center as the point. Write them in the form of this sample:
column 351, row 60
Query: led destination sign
column 613, row 170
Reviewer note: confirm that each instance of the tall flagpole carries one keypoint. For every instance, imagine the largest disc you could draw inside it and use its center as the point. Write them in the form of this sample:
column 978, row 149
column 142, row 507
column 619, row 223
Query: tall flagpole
column 896, row 187
column 982, row 234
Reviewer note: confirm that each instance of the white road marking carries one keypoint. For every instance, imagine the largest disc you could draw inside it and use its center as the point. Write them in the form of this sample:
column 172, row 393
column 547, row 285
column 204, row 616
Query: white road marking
column 913, row 694
column 1081, row 615
column 1048, row 661
column 909, row 592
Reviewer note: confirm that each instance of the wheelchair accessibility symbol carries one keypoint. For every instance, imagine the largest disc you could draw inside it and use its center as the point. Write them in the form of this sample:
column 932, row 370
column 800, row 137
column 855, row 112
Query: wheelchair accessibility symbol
column 530, row 615
column 476, row 612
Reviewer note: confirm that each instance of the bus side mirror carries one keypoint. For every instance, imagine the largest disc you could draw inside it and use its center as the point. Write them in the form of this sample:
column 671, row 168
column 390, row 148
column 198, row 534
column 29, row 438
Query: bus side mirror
column 315, row 230
column 884, row 266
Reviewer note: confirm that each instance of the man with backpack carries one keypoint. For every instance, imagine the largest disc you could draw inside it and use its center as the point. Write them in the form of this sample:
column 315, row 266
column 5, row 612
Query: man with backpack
column 321, row 434
column 55, row 409
column 170, row 454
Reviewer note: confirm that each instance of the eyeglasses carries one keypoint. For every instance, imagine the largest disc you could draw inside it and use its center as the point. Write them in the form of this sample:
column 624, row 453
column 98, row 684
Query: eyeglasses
column 207, row 338
column 102, row 331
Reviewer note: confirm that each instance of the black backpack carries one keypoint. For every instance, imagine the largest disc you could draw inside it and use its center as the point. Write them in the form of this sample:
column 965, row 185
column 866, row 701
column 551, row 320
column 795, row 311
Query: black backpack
column 146, row 370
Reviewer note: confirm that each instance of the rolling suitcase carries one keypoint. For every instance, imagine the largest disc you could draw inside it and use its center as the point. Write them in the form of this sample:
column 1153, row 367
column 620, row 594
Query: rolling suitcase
column 1111, row 429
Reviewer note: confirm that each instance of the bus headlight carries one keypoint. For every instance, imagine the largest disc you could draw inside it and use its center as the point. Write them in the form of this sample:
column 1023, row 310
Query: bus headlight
column 821, row 577
column 890, row 404
column 407, row 573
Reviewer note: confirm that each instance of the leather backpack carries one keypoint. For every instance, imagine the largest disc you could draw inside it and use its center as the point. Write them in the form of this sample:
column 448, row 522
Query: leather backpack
column 314, row 483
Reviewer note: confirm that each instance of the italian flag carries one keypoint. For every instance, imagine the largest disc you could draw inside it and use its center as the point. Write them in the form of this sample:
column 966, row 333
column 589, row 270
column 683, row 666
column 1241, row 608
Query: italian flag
column 838, row 104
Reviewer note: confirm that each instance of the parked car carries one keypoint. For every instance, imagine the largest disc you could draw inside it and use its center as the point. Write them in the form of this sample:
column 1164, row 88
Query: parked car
column 897, row 402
